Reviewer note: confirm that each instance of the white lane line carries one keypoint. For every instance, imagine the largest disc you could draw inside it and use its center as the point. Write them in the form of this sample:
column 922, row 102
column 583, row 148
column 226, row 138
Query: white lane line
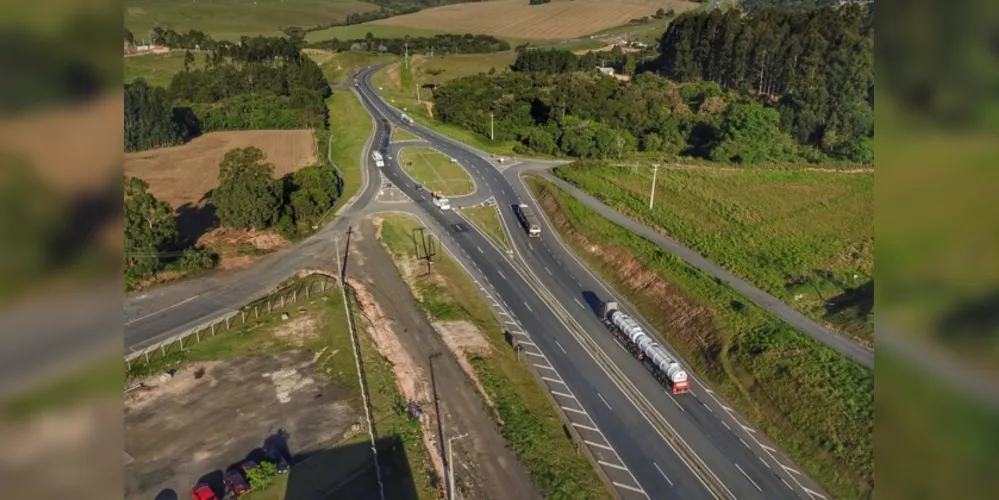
column 671, row 398
column 744, row 443
column 536, row 354
column 749, row 478
column 560, row 347
column 771, row 450
column 511, row 323
column 632, row 488
column 663, row 473
column 549, row 271
column 587, row 427
column 786, row 484
column 581, row 412
column 502, row 275
column 726, row 426
column 591, row 443
column 790, row 470
column 615, row 466
column 580, row 304
column 564, row 395
column 480, row 249
column 528, row 307
column 726, row 408
column 504, row 313
column 530, row 246
column 605, row 402
column 553, row 380
column 543, row 367
column 748, row 429
column 813, row 493
column 764, row 462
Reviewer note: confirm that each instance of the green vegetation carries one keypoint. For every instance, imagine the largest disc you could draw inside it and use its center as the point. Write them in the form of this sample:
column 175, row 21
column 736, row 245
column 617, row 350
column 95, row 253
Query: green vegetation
column 806, row 237
column 262, row 476
column 531, row 427
column 156, row 69
column 350, row 126
column 255, row 337
column 231, row 19
column 248, row 194
column 442, row 44
column 357, row 31
column 436, row 171
column 487, row 220
column 817, row 405
column 337, row 66
column 399, row 135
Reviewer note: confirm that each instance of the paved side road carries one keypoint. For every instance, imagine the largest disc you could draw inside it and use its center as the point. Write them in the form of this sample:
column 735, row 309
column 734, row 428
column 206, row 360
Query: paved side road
column 833, row 340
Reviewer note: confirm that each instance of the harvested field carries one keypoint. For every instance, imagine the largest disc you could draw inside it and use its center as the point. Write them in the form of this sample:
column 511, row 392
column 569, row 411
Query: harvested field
column 518, row 19
column 182, row 175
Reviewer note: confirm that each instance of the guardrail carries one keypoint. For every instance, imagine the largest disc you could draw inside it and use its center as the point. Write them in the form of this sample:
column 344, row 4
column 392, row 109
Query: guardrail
column 304, row 287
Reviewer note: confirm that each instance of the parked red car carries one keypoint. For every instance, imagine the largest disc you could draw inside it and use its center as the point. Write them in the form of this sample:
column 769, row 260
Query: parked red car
column 203, row 492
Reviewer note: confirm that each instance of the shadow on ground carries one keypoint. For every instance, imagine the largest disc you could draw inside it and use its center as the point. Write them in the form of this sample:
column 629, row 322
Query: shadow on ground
column 347, row 472
column 195, row 219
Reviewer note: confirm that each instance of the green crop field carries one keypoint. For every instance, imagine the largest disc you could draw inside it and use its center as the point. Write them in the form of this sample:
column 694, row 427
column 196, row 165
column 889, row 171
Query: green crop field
column 156, row 69
column 231, row 19
column 806, row 237
column 817, row 405
column 436, row 171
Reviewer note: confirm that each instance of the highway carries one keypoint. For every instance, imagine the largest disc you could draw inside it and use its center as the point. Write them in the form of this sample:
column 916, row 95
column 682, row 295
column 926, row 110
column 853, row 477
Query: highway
column 661, row 439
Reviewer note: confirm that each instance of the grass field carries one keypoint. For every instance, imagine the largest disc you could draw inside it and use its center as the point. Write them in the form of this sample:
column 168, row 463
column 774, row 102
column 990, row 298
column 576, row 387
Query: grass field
column 806, row 237
column 157, row 69
column 436, row 171
column 230, row 19
column 359, row 31
column 350, row 126
column 486, row 219
column 818, row 406
column 558, row 20
column 334, row 339
column 531, row 427
column 394, row 81
column 400, row 135
column 337, row 66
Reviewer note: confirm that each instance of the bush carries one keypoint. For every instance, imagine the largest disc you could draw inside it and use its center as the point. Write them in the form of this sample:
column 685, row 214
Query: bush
column 262, row 475
column 197, row 260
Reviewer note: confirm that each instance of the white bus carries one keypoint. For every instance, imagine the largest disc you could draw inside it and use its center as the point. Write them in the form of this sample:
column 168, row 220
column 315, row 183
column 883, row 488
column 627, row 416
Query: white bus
column 375, row 155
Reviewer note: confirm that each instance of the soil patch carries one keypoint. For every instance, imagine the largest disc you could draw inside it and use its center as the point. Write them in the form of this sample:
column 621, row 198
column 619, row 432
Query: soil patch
column 298, row 331
column 466, row 340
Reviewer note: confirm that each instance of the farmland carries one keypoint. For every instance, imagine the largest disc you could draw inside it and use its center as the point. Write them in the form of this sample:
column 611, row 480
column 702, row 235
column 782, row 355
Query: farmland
column 230, row 19
column 806, row 237
column 817, row 405
column 436, row 171
column 156, row 69
column 359, row 31
column 558, row 20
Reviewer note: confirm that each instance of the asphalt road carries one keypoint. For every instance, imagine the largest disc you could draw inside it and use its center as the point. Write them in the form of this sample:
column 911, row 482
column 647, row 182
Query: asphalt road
column 740, row 458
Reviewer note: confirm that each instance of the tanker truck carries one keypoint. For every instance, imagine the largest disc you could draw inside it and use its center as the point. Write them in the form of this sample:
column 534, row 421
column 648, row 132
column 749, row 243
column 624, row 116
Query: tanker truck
column 661, row 363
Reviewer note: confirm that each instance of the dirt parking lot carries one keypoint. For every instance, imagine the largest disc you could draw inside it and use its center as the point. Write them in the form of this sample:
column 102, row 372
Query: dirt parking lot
column 214, row 414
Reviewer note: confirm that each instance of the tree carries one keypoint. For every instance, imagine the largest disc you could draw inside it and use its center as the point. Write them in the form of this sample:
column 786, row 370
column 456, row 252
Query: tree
column 149, row 120
column 749, row 133
column 248, row 195
column 149, row 226
column 129, row 37
column 630, row 63
column 188, row 60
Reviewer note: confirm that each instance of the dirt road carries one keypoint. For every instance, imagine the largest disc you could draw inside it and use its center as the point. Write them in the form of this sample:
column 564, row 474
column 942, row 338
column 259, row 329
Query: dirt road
column 483, row 467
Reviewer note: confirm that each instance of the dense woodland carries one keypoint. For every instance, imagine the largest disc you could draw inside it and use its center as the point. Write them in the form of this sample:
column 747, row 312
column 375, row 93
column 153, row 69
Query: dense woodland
column 262, row 83
column 564, row 61
column 439, row 44
column 767, row 87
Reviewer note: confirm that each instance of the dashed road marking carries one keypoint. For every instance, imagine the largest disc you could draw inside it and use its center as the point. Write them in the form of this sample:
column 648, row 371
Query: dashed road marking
column 726, row 425
column 581, row 412
column 543, row 367
column 598, row 445
column 587, row 427
column 605, row 402
column 528, row 307
column 749, row 478
column 764, row 462
column 663, row 473
column 671, row 398
column 480, row 249
column 580, row 304
column 553, row 380
column 502, row 275
column 560, row 347
column 614, row 466
column 564, row 395
column 511, row 323
column 786, row 484
column 744, row 443
column 536, row 354
column 625, row 486
column 789, row 469
column 549, row 271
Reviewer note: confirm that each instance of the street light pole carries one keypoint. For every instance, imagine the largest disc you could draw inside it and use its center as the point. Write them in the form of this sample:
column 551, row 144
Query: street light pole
column 450, row 463
column 418, row 101
column 491, row 137
column 652, row 195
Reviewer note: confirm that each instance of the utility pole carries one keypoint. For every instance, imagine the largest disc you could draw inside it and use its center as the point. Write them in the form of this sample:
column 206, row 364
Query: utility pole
column 652, row 196
column 418, row 101
column 450, row 463
column 491, row 136
column 406, row 57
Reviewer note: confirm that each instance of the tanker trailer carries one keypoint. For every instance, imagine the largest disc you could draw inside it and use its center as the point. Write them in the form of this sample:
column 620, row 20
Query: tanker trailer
column 657, row 359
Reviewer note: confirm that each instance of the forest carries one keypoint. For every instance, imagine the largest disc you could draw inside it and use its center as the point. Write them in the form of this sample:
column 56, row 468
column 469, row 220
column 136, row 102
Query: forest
column 440, row 44
column 564, row 61
column 263, row 83
column 770, row 87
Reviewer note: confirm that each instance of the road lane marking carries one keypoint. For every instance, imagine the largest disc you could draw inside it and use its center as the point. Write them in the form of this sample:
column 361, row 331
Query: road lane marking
column 511, row 323
column 164, row 309
column 529, row 246
column 543, row 367
column 560, row 347
column 771, row 450
column 549, row 271
column 632, row 488
column 573, row 410
column 726, row 408
column 764, row 462
column 528, row 307
column 502, row 275
column 580, row 304
column 726, row 426
column 536, row 354
column 790, row 469
column 786, row 484
column 812, row 493
column 671, row 398
column 591, row 443
column 748, row 429
column 615, row 466
column 564, row 395
column 663, row 473
column 749, row 478
column 553, row 380
column 587, row 427
column 480, row 249
column 744, row 443
column 605, row 402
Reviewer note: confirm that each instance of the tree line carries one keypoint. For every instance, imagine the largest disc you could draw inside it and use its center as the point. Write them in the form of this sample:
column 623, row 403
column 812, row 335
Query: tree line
column 815, row 67
column 439, row 44
column 262, row 83
column 248, row 196
column 565, row 61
